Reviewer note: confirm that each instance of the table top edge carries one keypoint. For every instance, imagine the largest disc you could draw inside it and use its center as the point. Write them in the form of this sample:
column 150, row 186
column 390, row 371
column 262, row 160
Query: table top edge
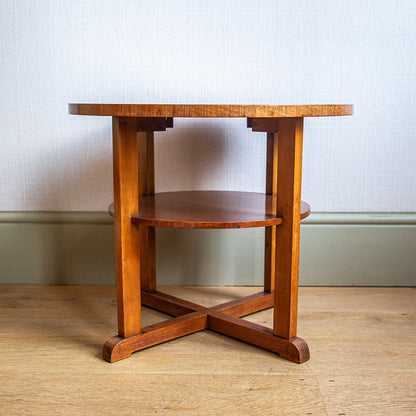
column 210, row 110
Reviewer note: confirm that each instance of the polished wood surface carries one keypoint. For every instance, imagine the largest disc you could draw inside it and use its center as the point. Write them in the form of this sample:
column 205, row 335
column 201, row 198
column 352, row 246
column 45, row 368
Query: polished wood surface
column 223, row 318
column 363, row 362
column 147, row 235
column 289, row 173
column 127, row 238
column 208, row 209
column 119, row 348
column 199, row 110
column 270, row 232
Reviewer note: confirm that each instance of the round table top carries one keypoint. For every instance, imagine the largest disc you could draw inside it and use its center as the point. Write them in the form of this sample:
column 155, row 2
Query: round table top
column 210, row 110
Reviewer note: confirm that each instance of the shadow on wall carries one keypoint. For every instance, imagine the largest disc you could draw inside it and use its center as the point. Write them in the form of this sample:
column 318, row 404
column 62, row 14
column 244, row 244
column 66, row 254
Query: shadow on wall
column 78, row 248
column 191, row 156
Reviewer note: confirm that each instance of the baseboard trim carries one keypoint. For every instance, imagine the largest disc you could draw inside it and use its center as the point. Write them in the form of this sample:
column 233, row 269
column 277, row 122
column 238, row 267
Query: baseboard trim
column 102, row 217
column 337, row 249
column 53, row 217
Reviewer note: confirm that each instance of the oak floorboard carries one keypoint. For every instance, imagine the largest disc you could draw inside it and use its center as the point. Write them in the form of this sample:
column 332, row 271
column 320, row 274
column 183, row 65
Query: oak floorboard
column 362, row 343
column 161, row 394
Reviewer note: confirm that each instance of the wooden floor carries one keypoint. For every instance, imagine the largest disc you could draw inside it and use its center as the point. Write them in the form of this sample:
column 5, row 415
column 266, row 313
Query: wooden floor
column 362, row 343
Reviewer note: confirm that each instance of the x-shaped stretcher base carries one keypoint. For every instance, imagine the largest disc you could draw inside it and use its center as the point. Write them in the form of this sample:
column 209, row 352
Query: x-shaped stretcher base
column 224, row 318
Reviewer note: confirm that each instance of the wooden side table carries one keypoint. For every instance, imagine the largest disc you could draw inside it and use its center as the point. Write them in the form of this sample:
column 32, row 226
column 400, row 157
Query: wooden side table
column 137, row 210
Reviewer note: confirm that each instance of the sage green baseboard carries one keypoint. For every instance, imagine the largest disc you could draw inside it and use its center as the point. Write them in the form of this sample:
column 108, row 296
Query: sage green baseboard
column 336, row 250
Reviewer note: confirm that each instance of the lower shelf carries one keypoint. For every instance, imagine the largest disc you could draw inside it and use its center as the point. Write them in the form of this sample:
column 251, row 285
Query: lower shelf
column 208, row 210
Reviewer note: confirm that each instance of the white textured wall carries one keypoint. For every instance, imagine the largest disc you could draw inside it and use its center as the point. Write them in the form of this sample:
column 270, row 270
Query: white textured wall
column 246, row 52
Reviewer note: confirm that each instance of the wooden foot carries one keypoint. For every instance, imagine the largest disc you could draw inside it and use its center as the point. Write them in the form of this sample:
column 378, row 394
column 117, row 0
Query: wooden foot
column 117, row 348
column 294, row 349
column 191, row 317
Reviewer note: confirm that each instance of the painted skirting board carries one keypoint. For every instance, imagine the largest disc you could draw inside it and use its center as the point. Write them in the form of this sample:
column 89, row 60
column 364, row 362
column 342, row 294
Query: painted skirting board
column 336, row 250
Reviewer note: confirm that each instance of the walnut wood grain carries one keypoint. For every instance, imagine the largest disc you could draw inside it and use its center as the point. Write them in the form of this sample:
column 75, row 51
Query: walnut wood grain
column 146, row 166
column 205, row 209
column 200, row 110
column 246, row 305
column 118, row 348
column 193, row 209
column 270, row 232
column 175, row 306
column 169, row 304
column 127, row 239
column 294, row 349
column 223, row 318
column 208, row 209
column 289, row 174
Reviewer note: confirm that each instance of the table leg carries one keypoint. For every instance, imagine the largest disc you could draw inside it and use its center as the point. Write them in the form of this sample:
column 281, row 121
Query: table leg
column 290, row 139
column 133, row 164
column 281, row 265
column 147, row 234
column 127, row 238
column 270, row 232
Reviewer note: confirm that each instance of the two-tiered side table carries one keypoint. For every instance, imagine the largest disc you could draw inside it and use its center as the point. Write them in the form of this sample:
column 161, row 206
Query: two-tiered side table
column 137, row 210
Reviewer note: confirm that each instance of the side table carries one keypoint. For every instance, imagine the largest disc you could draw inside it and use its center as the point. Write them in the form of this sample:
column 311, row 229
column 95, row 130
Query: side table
column 137, row 210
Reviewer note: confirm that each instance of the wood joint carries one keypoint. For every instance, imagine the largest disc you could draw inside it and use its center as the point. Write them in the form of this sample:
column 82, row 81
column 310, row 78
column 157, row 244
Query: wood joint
column 191, row 317
column 269, row 125
column 153, row 123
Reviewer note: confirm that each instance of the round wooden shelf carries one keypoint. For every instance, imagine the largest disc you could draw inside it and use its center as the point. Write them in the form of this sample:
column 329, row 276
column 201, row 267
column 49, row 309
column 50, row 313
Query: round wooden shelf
column 208, row 210
column 202, row 110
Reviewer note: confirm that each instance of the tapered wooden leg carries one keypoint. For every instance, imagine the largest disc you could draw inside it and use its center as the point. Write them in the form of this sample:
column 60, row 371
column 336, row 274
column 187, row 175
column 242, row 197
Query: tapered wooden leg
column 270, row 232
column 126, row 204
column 148, row 254
column 133, row 163
column 147, row 187
column 290, row 138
